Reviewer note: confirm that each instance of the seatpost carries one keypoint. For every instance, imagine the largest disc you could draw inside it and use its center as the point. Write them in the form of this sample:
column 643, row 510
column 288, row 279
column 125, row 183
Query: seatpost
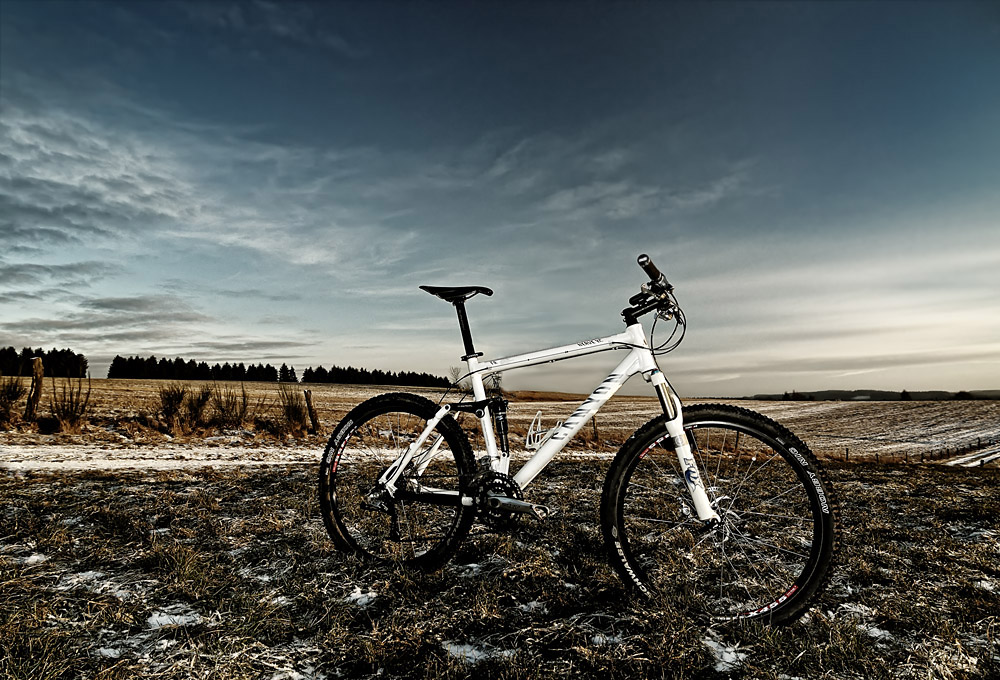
column 463, row 324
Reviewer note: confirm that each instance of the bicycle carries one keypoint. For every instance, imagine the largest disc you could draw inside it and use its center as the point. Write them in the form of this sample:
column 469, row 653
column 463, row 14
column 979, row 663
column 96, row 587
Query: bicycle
column 717, row 500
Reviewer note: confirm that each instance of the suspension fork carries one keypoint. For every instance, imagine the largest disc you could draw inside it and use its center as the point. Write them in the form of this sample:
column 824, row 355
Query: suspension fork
column 674, row 418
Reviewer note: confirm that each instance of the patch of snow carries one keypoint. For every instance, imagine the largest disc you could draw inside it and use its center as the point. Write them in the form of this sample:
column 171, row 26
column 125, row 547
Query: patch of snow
column 31, row 560
column 533, row 606
column 467, row 653
column 726, row 656
column 362, row 599
column 308, row 673
column 987, row 585
column 851, row 610
column 877, row 633
column 175, row 615
column 602, row 639
column 109, row 652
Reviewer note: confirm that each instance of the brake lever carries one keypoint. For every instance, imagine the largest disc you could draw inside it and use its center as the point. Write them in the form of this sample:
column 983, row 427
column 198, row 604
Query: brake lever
column 659, row 289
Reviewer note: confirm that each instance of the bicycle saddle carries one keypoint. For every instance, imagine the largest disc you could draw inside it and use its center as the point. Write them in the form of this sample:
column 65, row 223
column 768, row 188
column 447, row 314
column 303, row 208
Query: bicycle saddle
column 455, row 294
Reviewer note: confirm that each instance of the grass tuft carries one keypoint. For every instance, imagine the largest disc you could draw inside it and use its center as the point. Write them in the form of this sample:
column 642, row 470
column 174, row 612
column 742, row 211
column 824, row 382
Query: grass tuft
column 171, row 405
column 11, row 391
column 293, row 408
column 69, row 404
column 234, row 410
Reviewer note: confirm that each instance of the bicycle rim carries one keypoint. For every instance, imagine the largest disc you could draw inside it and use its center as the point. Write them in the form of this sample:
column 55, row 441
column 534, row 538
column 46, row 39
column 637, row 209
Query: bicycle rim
column 375, row 525
column 760, row 558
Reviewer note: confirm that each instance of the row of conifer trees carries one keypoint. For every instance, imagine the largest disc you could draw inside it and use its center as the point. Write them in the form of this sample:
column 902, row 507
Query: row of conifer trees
column 180, row 369
column 58, row 363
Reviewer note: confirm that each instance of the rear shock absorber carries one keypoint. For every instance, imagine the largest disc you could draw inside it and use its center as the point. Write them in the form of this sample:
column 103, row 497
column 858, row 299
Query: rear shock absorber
column 498, row 409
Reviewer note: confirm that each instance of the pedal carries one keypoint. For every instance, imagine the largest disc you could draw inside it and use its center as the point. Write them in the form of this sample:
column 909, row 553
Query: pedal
column 535, row 437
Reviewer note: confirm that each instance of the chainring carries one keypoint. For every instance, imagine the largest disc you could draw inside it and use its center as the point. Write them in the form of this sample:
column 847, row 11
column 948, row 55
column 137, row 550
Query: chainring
column 498, row 484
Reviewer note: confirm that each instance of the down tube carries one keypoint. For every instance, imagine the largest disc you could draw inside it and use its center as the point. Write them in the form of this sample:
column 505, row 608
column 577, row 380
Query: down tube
column 625, row 370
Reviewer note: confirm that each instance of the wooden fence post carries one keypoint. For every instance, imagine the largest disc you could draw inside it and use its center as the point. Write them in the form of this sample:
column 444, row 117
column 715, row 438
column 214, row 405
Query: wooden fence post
column 35, row 395
column 594, row 421
column 313, row 418
column 847, row 455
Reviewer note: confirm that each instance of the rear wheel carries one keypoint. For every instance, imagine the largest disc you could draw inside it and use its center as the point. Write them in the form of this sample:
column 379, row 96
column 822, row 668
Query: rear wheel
column 423, row 522
column 771, row 553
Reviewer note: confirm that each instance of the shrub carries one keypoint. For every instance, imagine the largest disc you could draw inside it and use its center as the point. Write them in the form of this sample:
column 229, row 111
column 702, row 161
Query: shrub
column 171, row 402
column 194, row 406
column 293, row 407
column 69, row 405
column 233, row 410
column 11, row 391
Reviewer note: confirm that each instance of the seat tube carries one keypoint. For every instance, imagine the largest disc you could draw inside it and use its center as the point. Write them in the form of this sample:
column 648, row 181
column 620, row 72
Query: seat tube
column 497, row 462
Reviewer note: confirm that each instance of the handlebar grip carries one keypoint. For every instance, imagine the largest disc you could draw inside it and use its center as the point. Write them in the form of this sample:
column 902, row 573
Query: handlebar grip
column 647, row 266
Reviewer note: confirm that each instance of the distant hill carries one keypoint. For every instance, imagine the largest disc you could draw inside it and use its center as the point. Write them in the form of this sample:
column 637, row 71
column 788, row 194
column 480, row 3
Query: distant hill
column 878, row 395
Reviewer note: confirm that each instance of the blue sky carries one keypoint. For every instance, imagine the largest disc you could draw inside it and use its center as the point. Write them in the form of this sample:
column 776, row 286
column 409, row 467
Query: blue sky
column 268, row 181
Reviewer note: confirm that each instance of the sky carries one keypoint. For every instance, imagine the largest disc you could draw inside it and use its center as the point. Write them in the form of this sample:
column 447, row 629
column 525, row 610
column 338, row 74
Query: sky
column 271, row 181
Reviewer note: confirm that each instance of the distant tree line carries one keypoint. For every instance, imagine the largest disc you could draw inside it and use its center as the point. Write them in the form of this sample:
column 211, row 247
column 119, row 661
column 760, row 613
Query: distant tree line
column 152, row 368
column 178, row 369
column 879, row 395
column 58, row 363
column 362, row 376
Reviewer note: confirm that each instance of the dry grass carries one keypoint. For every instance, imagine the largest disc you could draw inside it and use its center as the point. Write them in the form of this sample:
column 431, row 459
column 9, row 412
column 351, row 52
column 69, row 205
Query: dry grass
column 11, row 391
column 230, row 575
column 69, row 404
column 892, row 430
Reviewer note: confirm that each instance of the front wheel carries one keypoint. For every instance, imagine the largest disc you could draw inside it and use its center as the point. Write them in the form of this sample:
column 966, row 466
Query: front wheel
column 423, row 521
column 770, row 554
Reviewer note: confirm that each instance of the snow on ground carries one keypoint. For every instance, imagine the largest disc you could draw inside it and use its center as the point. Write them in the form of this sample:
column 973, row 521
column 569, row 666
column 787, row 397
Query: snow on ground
column 164, row 457
column 727, row 657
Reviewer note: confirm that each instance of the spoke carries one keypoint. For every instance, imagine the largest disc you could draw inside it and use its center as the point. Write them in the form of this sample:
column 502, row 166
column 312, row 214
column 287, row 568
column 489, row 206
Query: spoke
column 736, row 573
column 718, row 467
column 747, row 477
column 661, row 521
column 768, row 563
column 757, row 541
column 767, row 514
column 656, row 466
column 790, row 489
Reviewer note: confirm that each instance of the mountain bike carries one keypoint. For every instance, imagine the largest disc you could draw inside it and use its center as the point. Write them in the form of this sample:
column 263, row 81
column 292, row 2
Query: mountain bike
column 718, row 501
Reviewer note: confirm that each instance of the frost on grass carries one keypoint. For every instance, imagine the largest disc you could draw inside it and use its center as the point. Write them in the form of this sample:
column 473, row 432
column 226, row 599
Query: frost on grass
column 533, row 607
column 556, row 608
column 31, row 560
column 727, row 658
column 174, row 615
column 465, row 652
column 361, row 598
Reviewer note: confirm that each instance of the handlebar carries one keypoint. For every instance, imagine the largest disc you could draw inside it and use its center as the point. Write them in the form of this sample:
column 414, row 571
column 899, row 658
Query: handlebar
column 655, row 295
column 647, row 266
column 658, row 283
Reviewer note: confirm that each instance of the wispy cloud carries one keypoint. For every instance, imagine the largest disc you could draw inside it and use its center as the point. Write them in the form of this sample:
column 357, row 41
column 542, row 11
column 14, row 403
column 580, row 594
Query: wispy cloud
column 78, row 273
column 295, row 23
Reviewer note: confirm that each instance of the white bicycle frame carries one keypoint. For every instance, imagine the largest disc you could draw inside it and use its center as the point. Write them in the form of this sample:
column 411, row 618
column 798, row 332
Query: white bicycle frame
column 640, row 360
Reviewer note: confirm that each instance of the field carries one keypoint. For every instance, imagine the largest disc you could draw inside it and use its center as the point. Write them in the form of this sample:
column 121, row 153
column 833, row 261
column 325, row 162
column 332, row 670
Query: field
column 124, row 426
column 123, row 554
